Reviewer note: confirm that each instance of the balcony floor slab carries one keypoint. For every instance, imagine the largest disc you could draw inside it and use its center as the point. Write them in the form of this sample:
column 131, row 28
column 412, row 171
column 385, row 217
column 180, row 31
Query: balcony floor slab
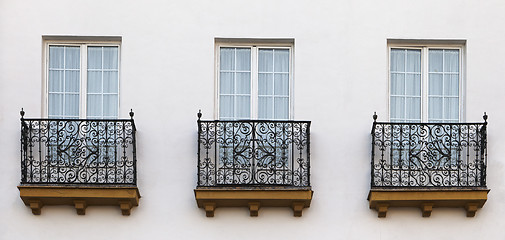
column 253, row 198
column 80, row 196
column 427, row 199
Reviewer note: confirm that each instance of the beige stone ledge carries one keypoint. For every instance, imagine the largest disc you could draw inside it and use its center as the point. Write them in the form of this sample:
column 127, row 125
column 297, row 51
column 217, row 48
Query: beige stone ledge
column 80, row 197
column 427, row 199
column 254, row 198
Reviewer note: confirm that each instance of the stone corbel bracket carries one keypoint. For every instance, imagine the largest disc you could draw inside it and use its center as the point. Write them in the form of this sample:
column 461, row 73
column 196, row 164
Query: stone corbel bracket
column 80, row 197
column 427, row 199
column 211, row 198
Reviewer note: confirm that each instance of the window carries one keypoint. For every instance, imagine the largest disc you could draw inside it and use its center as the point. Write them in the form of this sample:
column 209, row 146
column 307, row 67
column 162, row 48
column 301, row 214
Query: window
column 82, row 80
column 425, row 83
column 254, row 82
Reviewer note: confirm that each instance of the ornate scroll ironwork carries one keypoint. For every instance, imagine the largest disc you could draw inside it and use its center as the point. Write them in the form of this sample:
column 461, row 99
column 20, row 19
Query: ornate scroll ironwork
column 253, row 152
column 428, row 154
column 78, row 151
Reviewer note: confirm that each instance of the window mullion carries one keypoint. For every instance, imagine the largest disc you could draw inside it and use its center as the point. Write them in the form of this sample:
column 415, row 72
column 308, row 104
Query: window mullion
column 83, row 82
column 405, row 105
column 273, row 84
column 424, row 84
column 460, row 86
column 254, row 82
column 290, row 82
column 234, row 101
column 101, row 91
column 443, row 86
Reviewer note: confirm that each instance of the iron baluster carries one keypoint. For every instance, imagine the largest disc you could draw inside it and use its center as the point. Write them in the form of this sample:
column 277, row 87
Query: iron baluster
column 308, row 152
column 199, row 115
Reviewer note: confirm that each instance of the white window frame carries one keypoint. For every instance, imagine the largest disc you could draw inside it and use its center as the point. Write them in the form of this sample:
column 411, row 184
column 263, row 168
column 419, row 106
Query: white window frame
column 425, row 47
column 83, row 93
column 254, row 45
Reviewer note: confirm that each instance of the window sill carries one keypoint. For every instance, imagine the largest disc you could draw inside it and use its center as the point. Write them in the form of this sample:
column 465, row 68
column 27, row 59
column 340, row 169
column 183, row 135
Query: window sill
column 427, row 199
column 210, row 198
column 80, row 196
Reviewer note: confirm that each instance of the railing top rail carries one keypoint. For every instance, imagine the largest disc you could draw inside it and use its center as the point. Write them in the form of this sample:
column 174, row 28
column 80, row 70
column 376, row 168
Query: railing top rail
column 257, row 121
column 429, row 123
column 22, row 113
column 485, row 117
column 78, row 120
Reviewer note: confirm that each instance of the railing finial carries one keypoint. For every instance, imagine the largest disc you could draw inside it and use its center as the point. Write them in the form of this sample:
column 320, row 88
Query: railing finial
column 199, row 114
column 131, row 113
column 22, row 112
column 374, row 116
column 485, row 117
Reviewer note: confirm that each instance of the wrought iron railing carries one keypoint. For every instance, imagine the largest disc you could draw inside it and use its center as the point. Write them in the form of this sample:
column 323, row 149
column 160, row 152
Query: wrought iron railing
column 428, row 155
column 78, row 151
column 253, row 153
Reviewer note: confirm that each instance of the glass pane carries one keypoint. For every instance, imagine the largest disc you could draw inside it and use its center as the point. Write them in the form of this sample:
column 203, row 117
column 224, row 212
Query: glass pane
column 94, row 108
column 282, row 84
column 243, row 59
column 110, row 105
column 397, row 84
column 435, row 59
column 451, row 61
column 226, row 85
column 72, row 82
column 413, row 108
column 397, row 60
column 413, row 84
column 281, row 60
column 265, row 60
column 281, row 108
column 435, row 84
column 265, row 108
column 451, row 85
column 110, row 82
column 243, row 83
column 55, row 104
column 413, row 60
column 94, row 57
column 94, row 82
column 110, row 58
column 226, row 106
column 227, row 59
column 72, row 57
column 451, row 108
column 55, row 80
column 72, row 105
column 243, row 107
column 265, row 83
column 435, row 105
column 398, row 107
column 56, row 57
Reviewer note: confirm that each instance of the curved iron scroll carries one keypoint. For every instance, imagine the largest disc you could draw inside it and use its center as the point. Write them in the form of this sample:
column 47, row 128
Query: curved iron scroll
column 428, row 155
column 254, row 152
column 65, row 151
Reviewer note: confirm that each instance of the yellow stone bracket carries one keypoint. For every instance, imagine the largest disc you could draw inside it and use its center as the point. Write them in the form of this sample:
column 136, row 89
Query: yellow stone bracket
column 80, row 197
column 253, row 198
column 427, row 199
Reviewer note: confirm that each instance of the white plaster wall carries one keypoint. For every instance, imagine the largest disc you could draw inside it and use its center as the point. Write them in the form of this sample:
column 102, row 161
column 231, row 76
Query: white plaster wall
column 167, row 74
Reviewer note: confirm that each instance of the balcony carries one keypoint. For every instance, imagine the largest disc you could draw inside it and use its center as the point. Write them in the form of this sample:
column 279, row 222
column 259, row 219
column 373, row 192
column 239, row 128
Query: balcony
column 253, row 164
column 78, row 162
column 428, row 165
